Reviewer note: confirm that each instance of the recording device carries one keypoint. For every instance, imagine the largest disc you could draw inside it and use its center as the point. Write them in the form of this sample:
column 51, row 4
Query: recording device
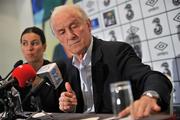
column 20, row 62
column 51, row 72
column 20, row 75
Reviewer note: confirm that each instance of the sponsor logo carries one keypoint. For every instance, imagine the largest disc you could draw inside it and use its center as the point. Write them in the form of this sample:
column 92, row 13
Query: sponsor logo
column 161, row 46
column 151, row 2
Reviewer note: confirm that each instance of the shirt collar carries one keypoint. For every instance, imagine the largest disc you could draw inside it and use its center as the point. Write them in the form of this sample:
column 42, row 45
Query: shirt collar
column 86, row 58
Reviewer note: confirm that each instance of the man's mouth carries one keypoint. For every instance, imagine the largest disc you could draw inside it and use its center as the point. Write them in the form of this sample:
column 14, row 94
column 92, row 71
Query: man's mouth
column 74, row 42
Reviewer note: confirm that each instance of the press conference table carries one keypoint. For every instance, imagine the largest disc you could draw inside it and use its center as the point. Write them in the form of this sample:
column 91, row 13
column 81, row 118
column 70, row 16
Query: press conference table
column 76, row 116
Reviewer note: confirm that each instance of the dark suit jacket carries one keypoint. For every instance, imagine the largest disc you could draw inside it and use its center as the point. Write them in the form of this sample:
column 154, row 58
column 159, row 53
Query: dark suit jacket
column 117, row 61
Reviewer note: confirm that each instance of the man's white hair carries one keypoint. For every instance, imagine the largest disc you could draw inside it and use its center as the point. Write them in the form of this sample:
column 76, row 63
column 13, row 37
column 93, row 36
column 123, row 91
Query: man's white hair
column 76, row 8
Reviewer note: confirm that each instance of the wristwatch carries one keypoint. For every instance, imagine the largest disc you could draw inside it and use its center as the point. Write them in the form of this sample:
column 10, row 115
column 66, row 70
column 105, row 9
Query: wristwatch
column 151, row 93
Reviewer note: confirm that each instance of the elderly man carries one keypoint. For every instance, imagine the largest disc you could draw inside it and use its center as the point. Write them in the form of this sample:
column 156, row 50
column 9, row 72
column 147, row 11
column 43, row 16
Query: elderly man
column 97, row 63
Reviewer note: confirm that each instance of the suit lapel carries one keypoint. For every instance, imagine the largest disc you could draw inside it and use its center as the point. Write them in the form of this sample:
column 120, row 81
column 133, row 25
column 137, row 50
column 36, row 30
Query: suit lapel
column 74, row 79
column 97, row 74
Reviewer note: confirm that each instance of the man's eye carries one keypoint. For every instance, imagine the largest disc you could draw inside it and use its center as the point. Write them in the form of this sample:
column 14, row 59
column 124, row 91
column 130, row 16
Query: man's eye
column 74, row 26
column 61, row 32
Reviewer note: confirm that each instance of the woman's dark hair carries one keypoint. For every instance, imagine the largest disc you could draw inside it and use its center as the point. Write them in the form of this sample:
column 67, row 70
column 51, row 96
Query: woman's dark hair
column 35, row 30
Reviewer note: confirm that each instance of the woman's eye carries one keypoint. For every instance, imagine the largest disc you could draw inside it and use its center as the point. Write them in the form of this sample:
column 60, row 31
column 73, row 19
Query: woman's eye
column 35, row 43
column 24, row 43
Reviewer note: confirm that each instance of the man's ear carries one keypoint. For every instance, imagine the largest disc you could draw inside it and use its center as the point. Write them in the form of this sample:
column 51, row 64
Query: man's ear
column 89, row 24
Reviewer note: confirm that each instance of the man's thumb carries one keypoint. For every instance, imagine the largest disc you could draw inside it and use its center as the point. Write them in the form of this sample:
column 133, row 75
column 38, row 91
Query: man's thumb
column 68, row 87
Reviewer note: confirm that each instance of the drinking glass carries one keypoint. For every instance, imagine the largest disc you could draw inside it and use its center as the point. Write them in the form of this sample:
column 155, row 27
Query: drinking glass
column 121, row 95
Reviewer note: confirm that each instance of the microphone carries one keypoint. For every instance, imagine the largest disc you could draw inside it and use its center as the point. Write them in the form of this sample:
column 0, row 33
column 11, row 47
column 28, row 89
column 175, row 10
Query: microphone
column 36, row 86
column 20, row 75
column 46, row 73
column 20, row 62
column 52, row 73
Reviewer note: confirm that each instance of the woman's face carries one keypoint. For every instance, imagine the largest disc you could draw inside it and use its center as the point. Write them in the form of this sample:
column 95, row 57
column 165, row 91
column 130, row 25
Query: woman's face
column 32, row 47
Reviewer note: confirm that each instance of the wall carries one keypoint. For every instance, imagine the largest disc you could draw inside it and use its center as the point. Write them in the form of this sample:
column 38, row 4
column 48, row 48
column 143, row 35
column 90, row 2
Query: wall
column 15, row 15
column 152, row 27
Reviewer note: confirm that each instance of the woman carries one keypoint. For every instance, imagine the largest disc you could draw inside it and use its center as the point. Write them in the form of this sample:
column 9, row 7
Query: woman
column 33, row 46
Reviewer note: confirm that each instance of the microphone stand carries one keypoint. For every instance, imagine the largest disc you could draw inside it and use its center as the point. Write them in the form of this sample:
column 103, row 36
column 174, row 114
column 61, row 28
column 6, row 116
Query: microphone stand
column 11, row 112
column 9, row 105
column 0, row 78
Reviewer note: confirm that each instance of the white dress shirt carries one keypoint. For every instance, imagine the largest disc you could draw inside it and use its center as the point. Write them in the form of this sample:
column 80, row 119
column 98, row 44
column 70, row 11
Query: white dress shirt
column 84, row 68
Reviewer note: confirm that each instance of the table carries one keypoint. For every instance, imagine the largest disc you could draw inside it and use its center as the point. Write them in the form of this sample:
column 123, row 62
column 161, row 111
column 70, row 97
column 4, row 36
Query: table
column 78, row 116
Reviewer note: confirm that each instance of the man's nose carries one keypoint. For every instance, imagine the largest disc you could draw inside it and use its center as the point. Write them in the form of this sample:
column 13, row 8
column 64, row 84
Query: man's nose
column 70, row 34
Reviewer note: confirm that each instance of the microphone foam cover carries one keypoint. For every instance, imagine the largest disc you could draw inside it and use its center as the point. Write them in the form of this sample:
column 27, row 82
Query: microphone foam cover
column 23, row 73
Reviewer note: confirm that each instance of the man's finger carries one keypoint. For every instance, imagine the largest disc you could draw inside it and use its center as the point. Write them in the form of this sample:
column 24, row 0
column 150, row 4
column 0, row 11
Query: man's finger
column 157, row 108
column 125, row 112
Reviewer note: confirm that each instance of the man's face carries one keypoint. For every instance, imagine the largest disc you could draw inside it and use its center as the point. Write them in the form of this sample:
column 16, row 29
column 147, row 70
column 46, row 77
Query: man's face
column 72, row 31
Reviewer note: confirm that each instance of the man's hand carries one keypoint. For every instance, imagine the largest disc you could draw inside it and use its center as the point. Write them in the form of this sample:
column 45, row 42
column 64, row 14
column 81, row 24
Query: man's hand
column 143, row 107
column 67, row 100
